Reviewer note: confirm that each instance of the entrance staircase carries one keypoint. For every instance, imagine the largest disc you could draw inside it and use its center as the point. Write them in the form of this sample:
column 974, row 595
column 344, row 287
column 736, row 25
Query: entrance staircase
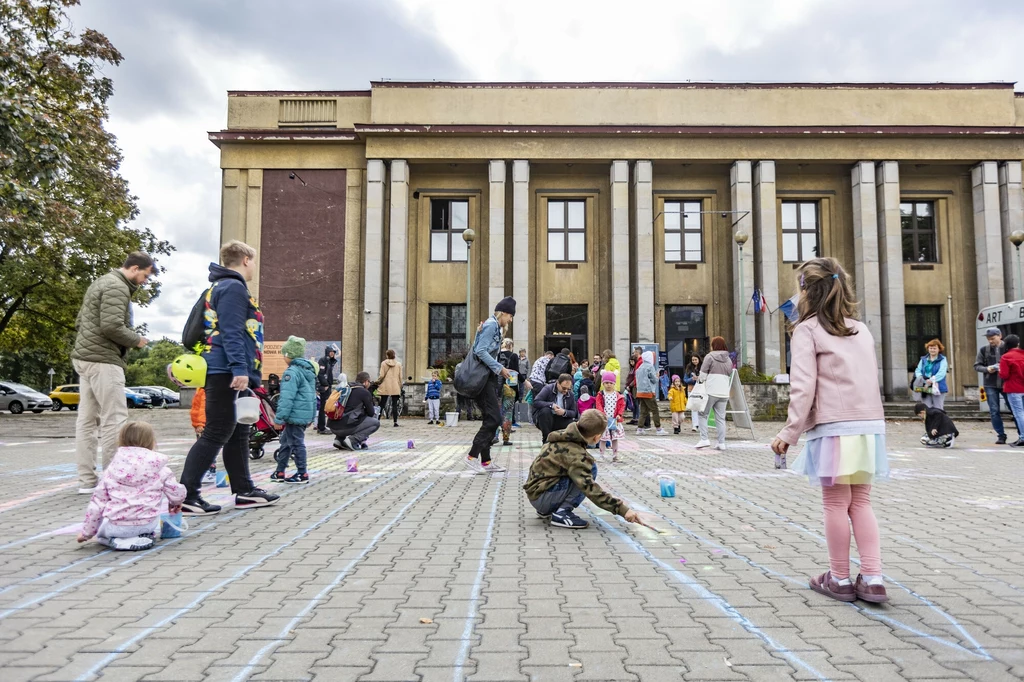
column 957, row 411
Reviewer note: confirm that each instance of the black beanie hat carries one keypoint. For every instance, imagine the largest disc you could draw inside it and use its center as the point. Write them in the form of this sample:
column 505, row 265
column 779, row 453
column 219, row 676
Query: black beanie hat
column 506, row 305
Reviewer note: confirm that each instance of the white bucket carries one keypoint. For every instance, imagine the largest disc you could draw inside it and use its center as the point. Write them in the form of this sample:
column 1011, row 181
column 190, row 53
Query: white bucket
column 451, row 418
column 247, row 408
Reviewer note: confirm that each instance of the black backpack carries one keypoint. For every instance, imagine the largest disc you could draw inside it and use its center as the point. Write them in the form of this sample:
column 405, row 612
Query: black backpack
column 195, row 326
column 558, row 366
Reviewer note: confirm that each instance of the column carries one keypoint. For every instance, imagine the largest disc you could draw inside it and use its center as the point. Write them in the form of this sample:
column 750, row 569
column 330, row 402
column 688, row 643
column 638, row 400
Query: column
column 254, row 220
column 1011, row 218
column 398, row 254
column 865, row 253
column 521, row 254
column 988, row 235
column 496, row 235
column 352, row 305
column 373, row 285
column 741, row 193
column 769, row 354
column 620, row 259
column 890, row 250
column 644, row 216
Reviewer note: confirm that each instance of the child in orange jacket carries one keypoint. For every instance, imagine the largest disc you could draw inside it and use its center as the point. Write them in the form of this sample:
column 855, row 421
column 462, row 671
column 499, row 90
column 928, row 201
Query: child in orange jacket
column 198, row 415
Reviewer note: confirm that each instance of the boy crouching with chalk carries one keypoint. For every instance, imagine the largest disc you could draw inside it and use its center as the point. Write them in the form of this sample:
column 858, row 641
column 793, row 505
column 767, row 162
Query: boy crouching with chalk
column 564, row 472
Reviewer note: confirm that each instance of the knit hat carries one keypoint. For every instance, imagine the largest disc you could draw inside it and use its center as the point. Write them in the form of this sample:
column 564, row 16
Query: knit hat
column 506, row 305
column 608, row 377
column 675, row 377
column 294, row 347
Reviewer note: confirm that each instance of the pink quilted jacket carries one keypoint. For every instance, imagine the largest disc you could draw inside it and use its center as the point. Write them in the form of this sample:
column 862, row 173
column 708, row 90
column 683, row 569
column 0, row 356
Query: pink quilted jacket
column 132, row 491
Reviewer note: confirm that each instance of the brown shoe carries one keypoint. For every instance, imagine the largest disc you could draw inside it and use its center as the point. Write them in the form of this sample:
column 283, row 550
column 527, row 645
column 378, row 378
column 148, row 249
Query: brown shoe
column 872, row 593
column 827, row 585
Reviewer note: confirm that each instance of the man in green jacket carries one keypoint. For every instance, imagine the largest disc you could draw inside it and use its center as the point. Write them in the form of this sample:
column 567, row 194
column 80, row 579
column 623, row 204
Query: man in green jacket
column 104, row 337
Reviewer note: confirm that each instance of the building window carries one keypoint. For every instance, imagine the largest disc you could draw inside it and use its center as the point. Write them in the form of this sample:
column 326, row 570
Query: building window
column 567, row 231
column 567, row 327
column 686, row 335
column 799, row 231
column 917, row 220
column 447, row 332
column 924, row 323
column 449, row 218
column 683, row 232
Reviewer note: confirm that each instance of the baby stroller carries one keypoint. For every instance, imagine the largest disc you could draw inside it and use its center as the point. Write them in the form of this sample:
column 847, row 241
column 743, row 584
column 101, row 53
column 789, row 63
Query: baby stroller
column 263, row 430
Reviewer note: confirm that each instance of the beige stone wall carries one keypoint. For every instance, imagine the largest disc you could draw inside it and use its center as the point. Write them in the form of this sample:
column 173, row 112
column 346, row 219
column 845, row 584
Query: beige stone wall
column 259, row 113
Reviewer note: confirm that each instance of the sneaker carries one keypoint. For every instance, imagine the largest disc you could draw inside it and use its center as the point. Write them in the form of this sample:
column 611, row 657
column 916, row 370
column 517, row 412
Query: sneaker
column 338, row 444
column 278, row 477
column 703, row 444
column 543, row 516
column 493, row 468
column 949, row 443
column 615, row 459
column 257, row 497
column 566, row 519
column 827, row 585
column 323, row 432
column 297, row 478
column 87, row 491
column 720, row 447
column 633, row 422
column 198, row 507
column 507, row 442
column 639, row 431
column 870, row 593
column 1001, row 440
column 364, row 446
column 473, row 465
column 209, row 477
column 495, row 440
column 396, row 425
column 661, row 432
column 515, row 426
column 1018, row 443
column 925, row 440
column 676, row 430
column 131, row 544
column 695, row 429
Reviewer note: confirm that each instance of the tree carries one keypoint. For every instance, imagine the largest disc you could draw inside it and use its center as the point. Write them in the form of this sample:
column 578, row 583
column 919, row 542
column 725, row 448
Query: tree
column 148, row 366
column 64, row 208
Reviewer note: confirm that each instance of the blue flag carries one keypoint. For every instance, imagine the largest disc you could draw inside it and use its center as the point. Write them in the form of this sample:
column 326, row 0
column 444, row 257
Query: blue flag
column 788, row 309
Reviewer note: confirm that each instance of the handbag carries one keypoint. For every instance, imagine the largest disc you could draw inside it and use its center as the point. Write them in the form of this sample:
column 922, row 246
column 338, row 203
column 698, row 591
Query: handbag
column 471, row 376
column 698, row 398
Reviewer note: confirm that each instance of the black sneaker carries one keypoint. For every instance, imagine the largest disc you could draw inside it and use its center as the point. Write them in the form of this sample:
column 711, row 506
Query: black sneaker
column 1018, row 443
column 198, row 507
column 297, row 478
column 278, row 477
column 364, row 446
column 566, row 519
column 257, row 497
column 323, row 432
column 1001, row 440
column 676, row 430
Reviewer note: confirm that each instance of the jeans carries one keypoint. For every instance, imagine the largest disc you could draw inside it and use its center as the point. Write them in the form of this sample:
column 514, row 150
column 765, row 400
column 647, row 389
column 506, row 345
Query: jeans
column 222, row 431
column 562, row 496
column 358, row 431
column 321, row 417
column 718, row 405
column 433, row 409
column 293, row 445
column 992, row 397
column 1016, row 401
column 490, row 411
column 649, row 409
column 547, row 421
column 102, row 411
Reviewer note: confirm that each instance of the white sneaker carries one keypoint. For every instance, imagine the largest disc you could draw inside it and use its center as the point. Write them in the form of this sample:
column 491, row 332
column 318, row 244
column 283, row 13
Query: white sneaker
column 493, row 468
column 695, row 429
column 639, row 431
column 87, row 491
column 209, row 477
column 703, row 444
column 720, row 446
column 131, row 544
column 474, row 466
column 661, row 432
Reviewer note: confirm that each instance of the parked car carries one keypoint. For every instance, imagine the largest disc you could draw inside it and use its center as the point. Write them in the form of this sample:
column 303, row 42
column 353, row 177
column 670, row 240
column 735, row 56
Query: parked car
column 137, row 399
column 155, row 396
column 171, row 399
column 65, row 396
column 16, row 398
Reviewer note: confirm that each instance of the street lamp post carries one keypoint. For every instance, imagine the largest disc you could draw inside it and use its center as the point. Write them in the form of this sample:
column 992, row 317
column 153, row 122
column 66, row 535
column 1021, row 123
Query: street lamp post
column 1017, row 238
column 741, row 238
column 468, row 235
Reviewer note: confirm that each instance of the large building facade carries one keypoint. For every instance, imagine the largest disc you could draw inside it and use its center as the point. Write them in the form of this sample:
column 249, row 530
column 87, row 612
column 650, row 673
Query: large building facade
column 610, row 212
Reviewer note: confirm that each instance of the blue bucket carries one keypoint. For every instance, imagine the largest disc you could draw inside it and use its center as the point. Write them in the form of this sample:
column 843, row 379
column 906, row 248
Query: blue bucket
column 668, row 486
column 171, row 525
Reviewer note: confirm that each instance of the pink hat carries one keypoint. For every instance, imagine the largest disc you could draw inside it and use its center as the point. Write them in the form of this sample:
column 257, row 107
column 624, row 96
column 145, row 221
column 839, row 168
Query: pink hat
column 675, row 377
column 608, row 377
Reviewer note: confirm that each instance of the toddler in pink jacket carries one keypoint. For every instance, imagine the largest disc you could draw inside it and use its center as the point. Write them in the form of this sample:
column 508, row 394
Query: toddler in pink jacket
column 137, row 487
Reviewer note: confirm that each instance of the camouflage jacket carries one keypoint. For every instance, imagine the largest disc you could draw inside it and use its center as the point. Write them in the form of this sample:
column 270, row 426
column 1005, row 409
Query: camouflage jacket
column 566, row 455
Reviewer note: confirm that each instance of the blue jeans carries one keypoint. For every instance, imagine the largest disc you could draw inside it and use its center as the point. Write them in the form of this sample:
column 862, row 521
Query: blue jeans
column 1016, row 401
column 992, row 397
column 562, row 496
column 293, row 445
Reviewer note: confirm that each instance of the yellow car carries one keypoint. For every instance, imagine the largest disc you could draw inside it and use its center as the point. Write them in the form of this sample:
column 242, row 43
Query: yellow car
column 65, row 396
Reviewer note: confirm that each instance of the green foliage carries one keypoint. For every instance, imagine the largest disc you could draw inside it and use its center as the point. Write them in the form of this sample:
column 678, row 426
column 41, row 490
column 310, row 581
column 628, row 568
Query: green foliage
column 749, row 375
column 63, row 204
column 31, row 367
column 148, row 366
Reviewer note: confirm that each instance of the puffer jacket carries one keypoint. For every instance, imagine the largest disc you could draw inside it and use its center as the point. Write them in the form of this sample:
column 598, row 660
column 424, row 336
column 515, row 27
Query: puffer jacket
column 234, row 327
column 716, row 372
column 132, row 491
column 390, row 378
column 297, row 403
column 104, row 321
column 647, row 377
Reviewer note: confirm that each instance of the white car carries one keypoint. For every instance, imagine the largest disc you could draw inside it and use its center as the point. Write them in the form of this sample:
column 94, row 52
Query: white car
column 16, row 398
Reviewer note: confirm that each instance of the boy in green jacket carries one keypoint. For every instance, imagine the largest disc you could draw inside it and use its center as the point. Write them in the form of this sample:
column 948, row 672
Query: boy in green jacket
column 564, row 472
column 296, row 410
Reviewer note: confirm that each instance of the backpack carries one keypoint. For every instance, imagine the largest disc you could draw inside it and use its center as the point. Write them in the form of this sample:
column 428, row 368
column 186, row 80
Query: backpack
column 334, row 408
column 194, row 332
column 558, row 366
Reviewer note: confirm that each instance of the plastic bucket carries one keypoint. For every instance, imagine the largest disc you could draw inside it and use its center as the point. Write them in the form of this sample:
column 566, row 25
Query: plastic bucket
column 247, row 408
column 352, row 465
column 513, row 379
column 172, row 525
column 451, row 418
column 668, row 486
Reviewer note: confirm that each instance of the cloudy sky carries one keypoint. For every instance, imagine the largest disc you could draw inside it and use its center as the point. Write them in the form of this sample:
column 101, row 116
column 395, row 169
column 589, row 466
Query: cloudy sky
column 182, row 56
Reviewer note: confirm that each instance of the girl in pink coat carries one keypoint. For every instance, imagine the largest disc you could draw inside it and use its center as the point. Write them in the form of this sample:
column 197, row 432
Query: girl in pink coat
column 137, row 487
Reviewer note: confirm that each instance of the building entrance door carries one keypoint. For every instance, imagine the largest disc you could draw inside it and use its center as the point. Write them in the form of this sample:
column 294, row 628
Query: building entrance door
column 566, row 327
column 685, row 335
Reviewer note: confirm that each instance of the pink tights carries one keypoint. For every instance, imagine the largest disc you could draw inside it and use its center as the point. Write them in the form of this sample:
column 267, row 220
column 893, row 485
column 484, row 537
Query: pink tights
column 843, row 504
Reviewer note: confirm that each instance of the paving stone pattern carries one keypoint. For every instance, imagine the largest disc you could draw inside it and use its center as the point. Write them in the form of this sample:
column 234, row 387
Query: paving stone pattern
column 411, row 569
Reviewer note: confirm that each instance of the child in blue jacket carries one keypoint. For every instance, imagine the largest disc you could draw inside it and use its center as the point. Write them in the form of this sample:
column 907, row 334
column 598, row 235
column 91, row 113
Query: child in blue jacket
column 434, row 398
column 296, row 410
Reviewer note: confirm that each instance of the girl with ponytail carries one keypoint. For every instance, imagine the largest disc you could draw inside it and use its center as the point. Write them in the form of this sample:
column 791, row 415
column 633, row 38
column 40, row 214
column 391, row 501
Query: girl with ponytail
column 836, row 404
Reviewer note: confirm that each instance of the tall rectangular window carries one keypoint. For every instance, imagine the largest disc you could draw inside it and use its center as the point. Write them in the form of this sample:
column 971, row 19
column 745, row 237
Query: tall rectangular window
column 924, row 323
column 799, row 231
column 684, row 234
column 447, row 332
column 917, row 220
column 449, row 218
column 567, row 230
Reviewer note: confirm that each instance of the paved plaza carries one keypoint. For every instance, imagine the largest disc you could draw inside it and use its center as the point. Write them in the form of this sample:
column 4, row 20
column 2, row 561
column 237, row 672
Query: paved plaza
column 411, row 569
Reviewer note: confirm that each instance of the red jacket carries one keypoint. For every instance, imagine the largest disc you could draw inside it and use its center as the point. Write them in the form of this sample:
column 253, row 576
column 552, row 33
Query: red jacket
column 620, row 407
column 1011, row 370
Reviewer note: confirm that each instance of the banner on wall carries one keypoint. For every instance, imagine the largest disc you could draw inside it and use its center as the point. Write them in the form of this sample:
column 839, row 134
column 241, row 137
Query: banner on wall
column 273, row 361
